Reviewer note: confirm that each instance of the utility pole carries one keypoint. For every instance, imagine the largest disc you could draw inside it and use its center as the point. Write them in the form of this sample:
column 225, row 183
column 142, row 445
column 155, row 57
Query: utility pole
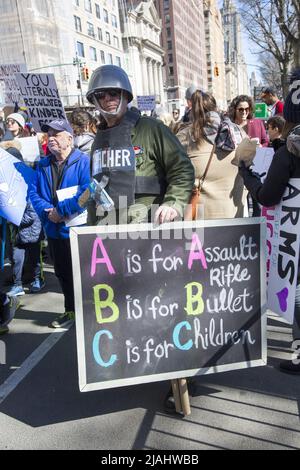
column 21, row 31
column 77, row 61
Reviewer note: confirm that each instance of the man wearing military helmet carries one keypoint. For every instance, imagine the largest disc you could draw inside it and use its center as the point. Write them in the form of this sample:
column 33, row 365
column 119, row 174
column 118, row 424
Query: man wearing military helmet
column 142, row 162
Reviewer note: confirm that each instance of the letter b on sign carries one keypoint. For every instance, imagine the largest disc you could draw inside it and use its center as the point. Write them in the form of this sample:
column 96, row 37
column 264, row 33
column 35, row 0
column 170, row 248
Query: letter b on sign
column 107, row 304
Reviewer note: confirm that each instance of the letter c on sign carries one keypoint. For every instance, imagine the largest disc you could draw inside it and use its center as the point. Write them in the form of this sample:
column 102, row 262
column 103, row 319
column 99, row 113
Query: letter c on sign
column 96, row 352
column 189, row 344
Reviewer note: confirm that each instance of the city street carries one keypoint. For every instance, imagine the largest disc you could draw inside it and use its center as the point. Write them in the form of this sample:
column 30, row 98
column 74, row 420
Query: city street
column 41, row 406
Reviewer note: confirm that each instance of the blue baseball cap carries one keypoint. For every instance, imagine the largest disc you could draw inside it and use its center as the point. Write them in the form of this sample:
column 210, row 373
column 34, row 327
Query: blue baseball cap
column 58, row 125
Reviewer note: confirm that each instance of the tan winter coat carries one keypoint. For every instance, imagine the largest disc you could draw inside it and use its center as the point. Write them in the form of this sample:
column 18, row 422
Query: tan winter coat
column 223, row 194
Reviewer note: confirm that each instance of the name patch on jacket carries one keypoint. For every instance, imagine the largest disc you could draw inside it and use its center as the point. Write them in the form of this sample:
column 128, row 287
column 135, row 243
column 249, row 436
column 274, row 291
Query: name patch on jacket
column 113, row 159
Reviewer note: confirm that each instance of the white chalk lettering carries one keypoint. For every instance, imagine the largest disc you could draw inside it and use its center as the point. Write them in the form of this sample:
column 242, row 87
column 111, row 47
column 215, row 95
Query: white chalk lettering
column 169, row 263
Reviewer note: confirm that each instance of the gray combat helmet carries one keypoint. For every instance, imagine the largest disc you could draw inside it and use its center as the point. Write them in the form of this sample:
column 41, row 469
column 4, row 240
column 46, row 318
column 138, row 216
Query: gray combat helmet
column 109, row 76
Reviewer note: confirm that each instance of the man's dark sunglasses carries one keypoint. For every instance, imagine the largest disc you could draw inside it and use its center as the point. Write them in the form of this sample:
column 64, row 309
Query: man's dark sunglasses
column 100, row 95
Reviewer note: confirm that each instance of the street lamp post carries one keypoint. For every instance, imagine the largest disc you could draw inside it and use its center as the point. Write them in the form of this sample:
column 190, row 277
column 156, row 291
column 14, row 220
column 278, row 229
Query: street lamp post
column 77, row 61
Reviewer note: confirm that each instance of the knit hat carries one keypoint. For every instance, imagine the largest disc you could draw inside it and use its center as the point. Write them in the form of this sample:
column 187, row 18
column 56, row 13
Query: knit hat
column 291, row 109
column 18, row 118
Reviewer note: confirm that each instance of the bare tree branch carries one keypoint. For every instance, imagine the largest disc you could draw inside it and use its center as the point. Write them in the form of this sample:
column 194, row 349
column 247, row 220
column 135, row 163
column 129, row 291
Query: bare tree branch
column 273, row 25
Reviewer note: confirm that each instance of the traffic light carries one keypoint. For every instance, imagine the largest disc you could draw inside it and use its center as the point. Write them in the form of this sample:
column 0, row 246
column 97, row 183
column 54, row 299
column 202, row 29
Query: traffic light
column 216, row 71
column 85, row 73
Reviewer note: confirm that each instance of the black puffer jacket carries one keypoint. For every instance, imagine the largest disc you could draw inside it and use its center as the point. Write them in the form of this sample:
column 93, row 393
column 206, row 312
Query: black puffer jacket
column 30, row 228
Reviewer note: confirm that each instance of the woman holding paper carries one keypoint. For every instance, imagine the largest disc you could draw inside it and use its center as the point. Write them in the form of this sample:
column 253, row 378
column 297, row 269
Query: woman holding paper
column 285, row 165
column 241, row 113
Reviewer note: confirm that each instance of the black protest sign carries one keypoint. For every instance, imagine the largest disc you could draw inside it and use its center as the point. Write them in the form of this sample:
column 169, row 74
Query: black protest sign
column 169, row 302
column 41, row 98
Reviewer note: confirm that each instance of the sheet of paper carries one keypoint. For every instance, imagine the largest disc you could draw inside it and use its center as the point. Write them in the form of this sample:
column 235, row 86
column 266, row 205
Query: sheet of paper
column 75, row 219
column 29, row 148
column 262, row 161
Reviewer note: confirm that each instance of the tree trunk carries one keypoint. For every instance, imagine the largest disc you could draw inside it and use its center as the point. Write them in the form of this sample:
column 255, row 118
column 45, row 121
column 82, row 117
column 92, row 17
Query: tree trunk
column 296, row 53
column 285, row 81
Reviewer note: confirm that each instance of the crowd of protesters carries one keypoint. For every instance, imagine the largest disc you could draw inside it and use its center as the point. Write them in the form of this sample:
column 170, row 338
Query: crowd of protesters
column 173, row 153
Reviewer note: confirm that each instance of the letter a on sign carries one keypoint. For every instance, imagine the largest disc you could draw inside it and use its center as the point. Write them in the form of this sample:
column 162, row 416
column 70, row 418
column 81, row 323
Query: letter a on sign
column 196, row 243
column 103, row 260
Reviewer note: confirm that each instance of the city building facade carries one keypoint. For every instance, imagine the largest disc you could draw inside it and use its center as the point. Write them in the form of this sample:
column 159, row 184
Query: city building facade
column 214, row 40
column 69, row 39
column 183, row 40
column 141, row 29
column 237, row 82
column 98, row 36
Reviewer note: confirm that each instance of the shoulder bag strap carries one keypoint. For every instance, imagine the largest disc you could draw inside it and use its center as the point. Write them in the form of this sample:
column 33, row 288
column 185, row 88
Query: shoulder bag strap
column 202, row 179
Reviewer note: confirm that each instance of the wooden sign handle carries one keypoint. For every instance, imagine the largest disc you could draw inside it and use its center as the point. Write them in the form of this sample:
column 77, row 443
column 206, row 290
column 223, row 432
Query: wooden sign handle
column 181, row 396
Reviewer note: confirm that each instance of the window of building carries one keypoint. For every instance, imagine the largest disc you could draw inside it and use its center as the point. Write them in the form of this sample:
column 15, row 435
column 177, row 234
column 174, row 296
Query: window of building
column 169, row 45
column 93, row 54
column 80, row 49
column 171, row 70
column 105, row 16
column 114, row 21
column 167, row 19
column 109, row 59
column 77, row 21
column 102, row 56
column 116, row 42
column 168, row 32
column 107, row 37
column 166, row 4
column 118, row 61
column 100, row 35
column 90, row 29
column 76, row 3
column 97, row 9
column 170, row 57
column 88, row 5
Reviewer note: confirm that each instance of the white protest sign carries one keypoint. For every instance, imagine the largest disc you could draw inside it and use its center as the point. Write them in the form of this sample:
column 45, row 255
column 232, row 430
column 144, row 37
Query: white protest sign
column 11, row 88
column 15, row 177
column 29, row 148
column 283, row 239
column 146, row 103
column 41, row 97
column 262, row 161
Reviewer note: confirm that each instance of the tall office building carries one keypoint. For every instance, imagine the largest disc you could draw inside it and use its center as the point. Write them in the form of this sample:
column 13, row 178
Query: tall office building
column 236, row 69
column 183, row 39
column 214, row 40
column 141, row 30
